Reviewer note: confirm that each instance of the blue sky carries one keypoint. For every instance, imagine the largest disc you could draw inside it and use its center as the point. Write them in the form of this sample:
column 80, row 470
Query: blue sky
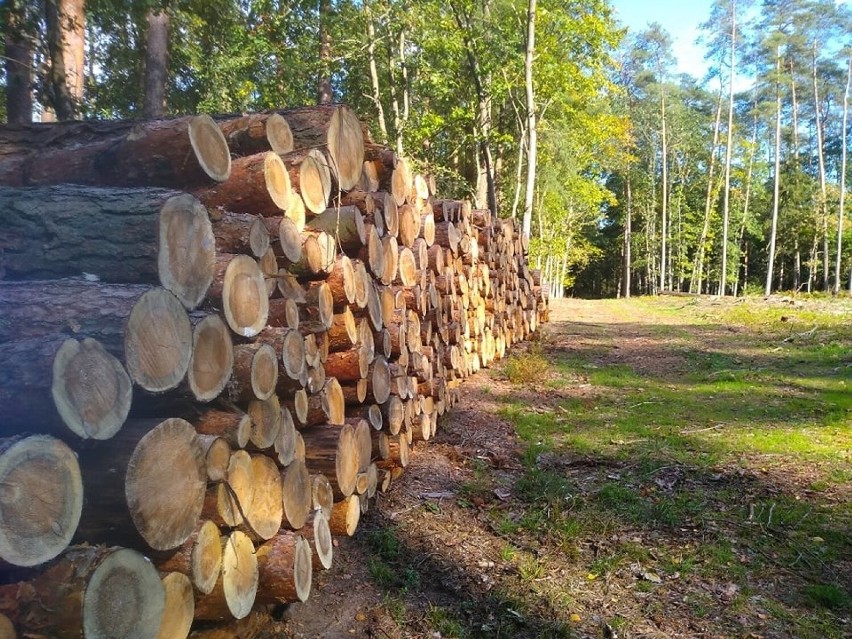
column 679, row 17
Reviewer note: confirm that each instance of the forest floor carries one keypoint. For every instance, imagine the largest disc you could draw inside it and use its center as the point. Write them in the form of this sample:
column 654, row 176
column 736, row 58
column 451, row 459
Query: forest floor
column 666, row 467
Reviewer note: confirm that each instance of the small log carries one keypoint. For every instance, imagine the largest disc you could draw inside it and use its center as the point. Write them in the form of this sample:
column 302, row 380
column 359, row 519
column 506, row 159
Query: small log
column 63, row 386
column 297, row 486
column 240, row 289
column 286, row 570
column 212, row 359
column 322, row 495
column 199, row 557
column 318, row 535
column 345, row 224
column 217, row 454
column 332, row 451
column 179, row 608
column 265, row 421
column 309, row 177
column 390, row 248
column 255, row 372
column 336, row 129
column 238, row 233
column 345, row 516
column 409, row 225
column 349, row 365
column 257, row 132
column 178, row 152
column 233, row 426
column 42, row 499
column 234, row 594
column 263, row 518
column 258, row 184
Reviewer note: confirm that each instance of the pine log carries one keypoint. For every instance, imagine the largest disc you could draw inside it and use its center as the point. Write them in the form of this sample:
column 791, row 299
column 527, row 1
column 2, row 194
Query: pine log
column 297, row 486
column 349, row 365
column 369, row 178
column 394, row 412
column 212, row 359
column 42, row 499
column 60, row 386
column 286, row 570
column 286, row 237
column 77, row 307
column 345, row 224
column 227, row 503
column 399, row 182
column 233, row 426
column 310, row 177
column 337, row 130
column 234, row 593
column 158, row 341
column 257, row 132
column 255, row 372
column 332, row 451
column 240, row 290
column 80, row 594
column 345, row 516
column 322, row 495
column 318, row 535
column 240, row 233
column 264, row 516
column 343, row 333
column 265, row 421
column 379, row 381
column 390, row 249
column 258, row 184
column 179, row 608
column 285, row 443
column 217, row 454
column 69, row 230
column 180, row 152
column 409, row 225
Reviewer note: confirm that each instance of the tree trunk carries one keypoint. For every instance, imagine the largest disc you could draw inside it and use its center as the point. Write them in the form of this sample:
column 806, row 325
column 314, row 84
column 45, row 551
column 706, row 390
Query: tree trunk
column 837, row 263
column 531, row 120
column 770, row 263
column 65, row 21
column 374, row 75
column 19, row 62
column 723, row 278
column 628, row 237
column 324, row 93
column 822, row 230
column 156, row 63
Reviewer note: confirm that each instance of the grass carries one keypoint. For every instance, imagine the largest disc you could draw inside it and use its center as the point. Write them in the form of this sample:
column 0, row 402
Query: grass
column 691, row 451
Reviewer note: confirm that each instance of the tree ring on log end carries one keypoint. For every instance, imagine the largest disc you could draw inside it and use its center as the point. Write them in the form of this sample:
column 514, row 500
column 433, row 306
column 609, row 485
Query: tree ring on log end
column 244, row 297
column 315, row 181
column 91, row 390
column 346, row 146
column 277, row 180
column 239, row 574
column 212, row 359
column 278, row 134
column 165, row 484
column 124, row 598
column 186, row 259
column 179, row 607
column 211, row 147
column 303, row 569
column 41, row 499
column 297, row 494
column 323, row 543
column 158, row 341
column 206, row 558
column 346, row 460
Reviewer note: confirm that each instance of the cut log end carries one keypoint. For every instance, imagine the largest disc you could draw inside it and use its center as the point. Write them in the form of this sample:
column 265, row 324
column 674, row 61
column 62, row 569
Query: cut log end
column 165, row 484
column 278, row 134
column 239, row 574
column 186, row 258
column 244, row 297
column 323, row 545
column 302, row 569
column 158, row 341
column 206, row 558
column 127, row 582
column 210, row 146
column 179, row 607
column 277, row 180
column 315, row 182
column 91, row 390
column 41, row 499
column 212, row 359
column 346, row 146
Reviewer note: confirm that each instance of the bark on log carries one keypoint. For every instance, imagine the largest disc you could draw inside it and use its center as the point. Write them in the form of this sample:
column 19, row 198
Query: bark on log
column 257, row 132
column 79, row 595
column 234, row 593
column 199, row 557
column 310, row 178
column 286, row 570
column 180, row 152
column 345, row 516
column 240, row 233
column 345, row 224
column 332, row 451
column 335, row 128
column 258, row 184
column 42, row 499
column 255, row 372
column 61, row 386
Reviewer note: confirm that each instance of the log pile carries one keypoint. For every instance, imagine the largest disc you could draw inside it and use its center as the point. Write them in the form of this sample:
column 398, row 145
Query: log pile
column 218, row 340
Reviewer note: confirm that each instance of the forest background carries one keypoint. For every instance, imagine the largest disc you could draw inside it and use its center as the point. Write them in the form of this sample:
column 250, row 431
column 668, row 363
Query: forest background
column 628, row 177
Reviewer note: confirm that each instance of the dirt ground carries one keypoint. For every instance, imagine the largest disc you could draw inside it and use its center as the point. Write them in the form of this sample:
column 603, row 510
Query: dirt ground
column 430, row 559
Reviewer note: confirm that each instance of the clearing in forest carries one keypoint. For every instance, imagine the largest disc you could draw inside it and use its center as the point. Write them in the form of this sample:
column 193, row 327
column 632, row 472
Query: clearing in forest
column 669, row 467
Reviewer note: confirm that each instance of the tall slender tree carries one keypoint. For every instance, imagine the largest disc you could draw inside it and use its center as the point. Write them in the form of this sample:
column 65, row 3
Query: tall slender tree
column 531, row 129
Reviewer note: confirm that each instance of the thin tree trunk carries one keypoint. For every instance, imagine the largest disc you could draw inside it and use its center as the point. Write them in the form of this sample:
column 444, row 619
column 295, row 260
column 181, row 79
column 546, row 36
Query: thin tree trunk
column 374, row 75
column 19, row 60
column 842, row 183
column 747, row 198
column 823, row 209
column 726, row 207
column 628, row 232
column 698, row 269
column 664, row 229
column 65, row 43
column 531, row 121
column 156, row 63
column 770, row 264
column 324, row 92
column 519, row 172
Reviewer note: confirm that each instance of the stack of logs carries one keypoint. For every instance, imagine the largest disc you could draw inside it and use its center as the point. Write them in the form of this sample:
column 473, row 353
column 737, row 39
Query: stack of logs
column 225, row 334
